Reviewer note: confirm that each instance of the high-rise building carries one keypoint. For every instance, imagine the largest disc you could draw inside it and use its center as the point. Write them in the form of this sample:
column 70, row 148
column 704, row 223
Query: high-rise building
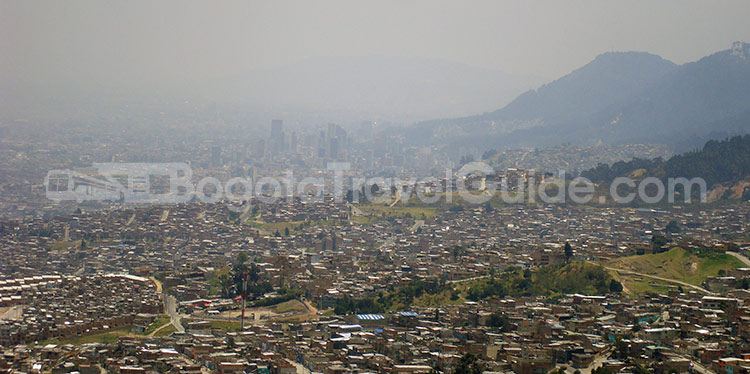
column 277, row 129
column 335, row 130
column 277, row 136
column 334, row 148
column 322, row 144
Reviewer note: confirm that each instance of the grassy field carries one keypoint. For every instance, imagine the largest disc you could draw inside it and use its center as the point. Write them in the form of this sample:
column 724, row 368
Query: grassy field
column 442, row 298
column 678, row 264
column 377, row 212
column 639, row 285
column 111, row 336
column 634, row 284
column 58, row 245
column 295, row 227
column 166, row 331
column 158, row 322
column 106, row 337
column 289, row 306
column 229, row 326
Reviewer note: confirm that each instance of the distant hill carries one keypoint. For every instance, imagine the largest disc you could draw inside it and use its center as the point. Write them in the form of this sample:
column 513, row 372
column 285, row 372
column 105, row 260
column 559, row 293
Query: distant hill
column 407, row 88
column 607, row 80
column 709, row 95
column 624, row 97
column 324, row 89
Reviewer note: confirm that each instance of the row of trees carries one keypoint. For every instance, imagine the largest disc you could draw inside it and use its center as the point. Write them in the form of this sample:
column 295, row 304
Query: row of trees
column 724, row 161
column 574, row 277
column 606, row 173
column 231, row 283
column 394, row 298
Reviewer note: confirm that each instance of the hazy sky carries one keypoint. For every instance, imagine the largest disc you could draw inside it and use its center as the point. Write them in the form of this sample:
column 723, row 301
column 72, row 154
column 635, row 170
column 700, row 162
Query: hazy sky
column 133, row 41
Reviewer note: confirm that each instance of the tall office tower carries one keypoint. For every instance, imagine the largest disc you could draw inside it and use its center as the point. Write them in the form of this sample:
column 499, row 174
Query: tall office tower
column 341, row 135
column 331, row 130
column 277, row 129
column 277, row 136
column 322, row 144
column 334, row 148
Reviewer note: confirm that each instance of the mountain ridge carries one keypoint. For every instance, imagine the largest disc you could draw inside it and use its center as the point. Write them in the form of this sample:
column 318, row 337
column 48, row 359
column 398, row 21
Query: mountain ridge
column 619, row 97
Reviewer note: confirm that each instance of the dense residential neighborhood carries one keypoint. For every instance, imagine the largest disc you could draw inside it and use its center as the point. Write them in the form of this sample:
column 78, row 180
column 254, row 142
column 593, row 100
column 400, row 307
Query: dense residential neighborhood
column 399, row 294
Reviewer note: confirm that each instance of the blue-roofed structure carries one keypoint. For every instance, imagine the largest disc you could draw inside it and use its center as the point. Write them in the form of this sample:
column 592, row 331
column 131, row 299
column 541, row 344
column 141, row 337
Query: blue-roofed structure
column 370, row 317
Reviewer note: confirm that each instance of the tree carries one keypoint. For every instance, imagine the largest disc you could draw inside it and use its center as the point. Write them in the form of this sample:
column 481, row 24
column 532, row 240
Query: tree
column 499, row 321
column 568, row 251
column 227, row 286
column 636, row 327
column 231, row 284
column 469, row 364
column 673, row 227
column 286, row 231
column 622, row 350
column 456, row 251
column 658, row 242
column 615, row 286
column 241, row 259
column 638, row 369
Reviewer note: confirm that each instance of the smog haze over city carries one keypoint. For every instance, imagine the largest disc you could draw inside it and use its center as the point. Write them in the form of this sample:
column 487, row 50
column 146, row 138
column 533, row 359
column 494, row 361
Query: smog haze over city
column 344, row 187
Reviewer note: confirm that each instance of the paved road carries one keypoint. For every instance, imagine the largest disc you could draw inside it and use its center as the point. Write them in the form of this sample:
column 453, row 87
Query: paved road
column 157, row 283
column 13, row 313
column 397, row 199
column 300, row 369
column 387, row 243
column 468, row 279
column 170, row 306
column 162, row 327
column 740, row 257
column 684, row 284
column 417, row 224
column 245, row 213
column 356, row 211
column 597, row 362
column 164, row 215
column 700, row 368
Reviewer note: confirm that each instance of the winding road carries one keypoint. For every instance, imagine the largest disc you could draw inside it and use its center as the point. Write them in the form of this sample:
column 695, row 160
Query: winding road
column 697, row 288
column 740, row 257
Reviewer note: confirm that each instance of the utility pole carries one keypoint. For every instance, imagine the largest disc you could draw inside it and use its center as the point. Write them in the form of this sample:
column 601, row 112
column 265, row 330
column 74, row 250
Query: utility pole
column 244, row 296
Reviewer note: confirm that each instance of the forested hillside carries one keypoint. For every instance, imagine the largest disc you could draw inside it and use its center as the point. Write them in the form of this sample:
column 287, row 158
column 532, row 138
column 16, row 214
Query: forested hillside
column 725, row 161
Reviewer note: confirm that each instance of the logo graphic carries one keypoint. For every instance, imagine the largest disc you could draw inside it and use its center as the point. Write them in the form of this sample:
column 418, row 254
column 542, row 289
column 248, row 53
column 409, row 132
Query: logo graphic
column 123, row 182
